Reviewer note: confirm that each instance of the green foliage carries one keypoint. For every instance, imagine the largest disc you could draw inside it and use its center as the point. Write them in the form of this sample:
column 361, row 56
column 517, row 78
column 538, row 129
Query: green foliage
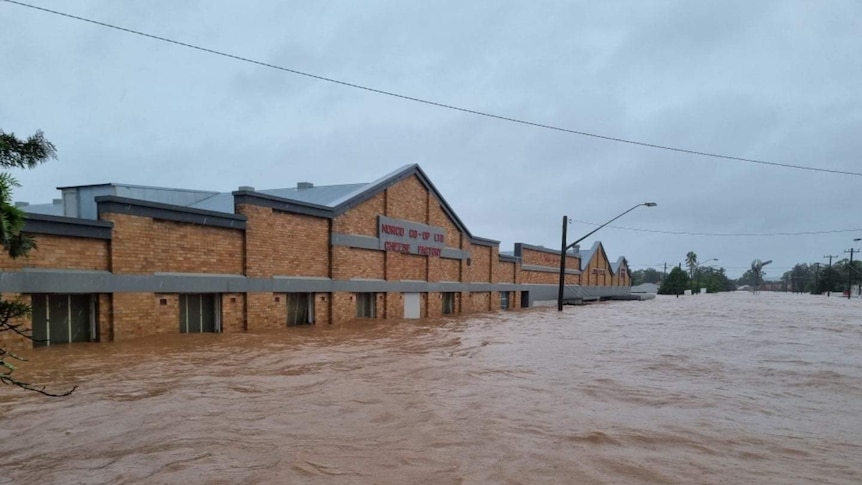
column 15, row 244
column 691, row 263
column 675, row 284
column 15, row 153
column 713, row 279
column 802, row 278
column 830, row 280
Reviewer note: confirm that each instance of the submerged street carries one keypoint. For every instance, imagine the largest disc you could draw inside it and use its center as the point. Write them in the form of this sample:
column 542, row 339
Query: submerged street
column 727, row 388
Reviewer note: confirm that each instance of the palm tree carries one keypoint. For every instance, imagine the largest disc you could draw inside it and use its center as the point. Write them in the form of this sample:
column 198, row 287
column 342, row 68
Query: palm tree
column 691, row 262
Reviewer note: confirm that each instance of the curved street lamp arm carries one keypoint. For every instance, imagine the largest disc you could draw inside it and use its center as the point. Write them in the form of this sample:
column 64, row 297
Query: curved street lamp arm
column 570, row 246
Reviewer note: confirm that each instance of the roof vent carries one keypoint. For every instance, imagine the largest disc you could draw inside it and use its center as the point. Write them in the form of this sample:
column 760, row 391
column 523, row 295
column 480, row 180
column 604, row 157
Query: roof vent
column 304, row 185
column 21, row 204
column 246, row 188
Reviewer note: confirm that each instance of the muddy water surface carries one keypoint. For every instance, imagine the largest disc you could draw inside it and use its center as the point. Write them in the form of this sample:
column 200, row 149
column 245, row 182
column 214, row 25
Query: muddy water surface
column 729, row 389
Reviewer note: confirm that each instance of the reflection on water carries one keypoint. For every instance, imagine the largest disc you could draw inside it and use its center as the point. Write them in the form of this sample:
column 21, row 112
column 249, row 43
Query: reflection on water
column 734, row 388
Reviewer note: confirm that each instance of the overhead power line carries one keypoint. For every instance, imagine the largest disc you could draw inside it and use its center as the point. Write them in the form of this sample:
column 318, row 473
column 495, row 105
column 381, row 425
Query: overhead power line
column 438, row 104
column 724, row 234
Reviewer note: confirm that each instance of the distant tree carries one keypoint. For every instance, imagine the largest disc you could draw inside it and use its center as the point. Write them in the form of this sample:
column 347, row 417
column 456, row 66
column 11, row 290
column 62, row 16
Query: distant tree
column 675, row 283
column 691, row 263
column 649, row 275
column 15, row 153
column 713, row 279
column 830, row 280
column 800, row 278
column 849, row 274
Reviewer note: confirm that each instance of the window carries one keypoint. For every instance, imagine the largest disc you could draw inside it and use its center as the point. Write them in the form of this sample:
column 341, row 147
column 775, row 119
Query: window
column 448, row 303
column 200, row 313
column 366, row 305
column 300, row 308
column 504, row 300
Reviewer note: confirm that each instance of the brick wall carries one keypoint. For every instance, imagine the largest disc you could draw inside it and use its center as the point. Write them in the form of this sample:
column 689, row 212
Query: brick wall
column 437, row 217
column 263, row 312
column 505, row 272
column 480, row 264
column 545, row 278
column 494, row 303
column 144, row 245
column 401, row 266
column 598, row 270
column 105, row 318
column 394, row 305
column 541, row 258
column 548, row 260
column 61, row 252
column 140, row 314
column 621, row 277
column 350, row 263
column 480, row 301
column 444, row 269
column 433, row 304
column 190, row 248
column 362, row 219
column 233, row 312
column 343, row 307
column 321, row 309
column 408, row 200
column 284, row 244
column 450, row 269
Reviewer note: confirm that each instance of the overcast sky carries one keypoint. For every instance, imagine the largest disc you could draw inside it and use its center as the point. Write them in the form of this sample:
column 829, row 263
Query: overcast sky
column 777, row 81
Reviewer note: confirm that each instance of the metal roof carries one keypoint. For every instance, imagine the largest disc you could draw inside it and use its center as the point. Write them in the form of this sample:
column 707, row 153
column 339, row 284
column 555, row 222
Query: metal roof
column 327, row 195
column 323, row 195
column 326, row 200
column 45, row 209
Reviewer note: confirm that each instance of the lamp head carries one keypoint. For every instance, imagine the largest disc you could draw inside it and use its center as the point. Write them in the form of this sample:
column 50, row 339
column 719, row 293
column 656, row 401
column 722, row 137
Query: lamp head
column 649, row 204
column 857, row 239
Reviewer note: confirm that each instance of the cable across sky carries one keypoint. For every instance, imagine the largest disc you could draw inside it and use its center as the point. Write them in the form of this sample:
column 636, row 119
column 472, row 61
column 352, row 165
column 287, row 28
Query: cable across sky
column 724, row 234
column 440, row 104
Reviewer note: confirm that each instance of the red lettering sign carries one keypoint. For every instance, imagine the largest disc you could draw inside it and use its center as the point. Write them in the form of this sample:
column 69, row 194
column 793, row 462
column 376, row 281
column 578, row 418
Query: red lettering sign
column 397, row 247
column 392, row 229
column 429, row 251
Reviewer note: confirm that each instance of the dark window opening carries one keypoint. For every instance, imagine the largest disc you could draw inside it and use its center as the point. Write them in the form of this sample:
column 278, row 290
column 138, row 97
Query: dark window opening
column 366, row 305
column 300, row 309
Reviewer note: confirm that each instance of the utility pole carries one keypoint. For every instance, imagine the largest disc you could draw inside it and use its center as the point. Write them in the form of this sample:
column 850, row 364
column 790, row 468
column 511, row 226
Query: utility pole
column 830, row 258
column 850, row 273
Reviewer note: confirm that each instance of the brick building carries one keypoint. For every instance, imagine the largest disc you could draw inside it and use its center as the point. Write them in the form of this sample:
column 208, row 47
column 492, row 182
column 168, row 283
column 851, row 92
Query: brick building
column 116, row 262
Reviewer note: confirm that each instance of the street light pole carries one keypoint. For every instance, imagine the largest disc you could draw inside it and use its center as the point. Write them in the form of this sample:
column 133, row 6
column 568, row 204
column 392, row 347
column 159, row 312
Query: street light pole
column 562, row 266
column 565, row 248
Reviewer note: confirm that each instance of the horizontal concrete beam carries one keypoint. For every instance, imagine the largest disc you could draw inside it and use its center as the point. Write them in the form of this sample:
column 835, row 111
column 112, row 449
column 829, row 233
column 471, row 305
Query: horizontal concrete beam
column 71, row 281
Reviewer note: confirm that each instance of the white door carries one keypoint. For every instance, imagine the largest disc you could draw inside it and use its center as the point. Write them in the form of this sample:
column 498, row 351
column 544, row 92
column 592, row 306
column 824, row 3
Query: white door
column 411, row 305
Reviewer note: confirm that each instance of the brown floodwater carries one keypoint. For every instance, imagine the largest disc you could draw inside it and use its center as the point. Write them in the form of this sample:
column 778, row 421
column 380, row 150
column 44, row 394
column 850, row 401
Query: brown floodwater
column 733, row 388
